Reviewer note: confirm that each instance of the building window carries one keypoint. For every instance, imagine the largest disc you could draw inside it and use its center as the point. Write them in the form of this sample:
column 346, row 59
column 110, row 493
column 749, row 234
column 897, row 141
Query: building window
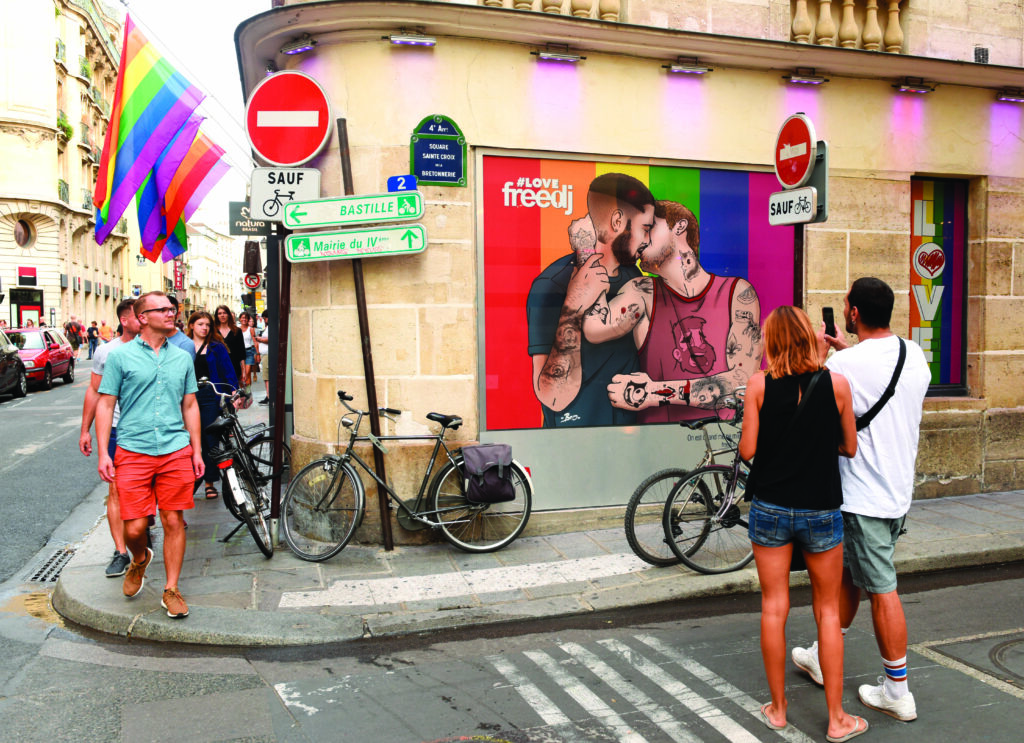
column 24, row 236
column 938, row 280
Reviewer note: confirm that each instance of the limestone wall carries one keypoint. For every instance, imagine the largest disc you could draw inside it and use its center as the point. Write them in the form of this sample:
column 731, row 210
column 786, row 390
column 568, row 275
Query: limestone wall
column 422, row 309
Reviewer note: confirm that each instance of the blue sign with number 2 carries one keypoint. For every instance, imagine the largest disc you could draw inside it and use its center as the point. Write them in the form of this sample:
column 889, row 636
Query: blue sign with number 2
column 401, row 183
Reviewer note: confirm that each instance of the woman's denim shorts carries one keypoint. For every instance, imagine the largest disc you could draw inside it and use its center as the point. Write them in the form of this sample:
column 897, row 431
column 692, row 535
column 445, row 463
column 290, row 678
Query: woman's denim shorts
column 811, row 531
column 250, row 355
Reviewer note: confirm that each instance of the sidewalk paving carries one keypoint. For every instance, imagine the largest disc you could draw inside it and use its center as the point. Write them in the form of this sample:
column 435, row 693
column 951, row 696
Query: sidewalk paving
column 237, row 597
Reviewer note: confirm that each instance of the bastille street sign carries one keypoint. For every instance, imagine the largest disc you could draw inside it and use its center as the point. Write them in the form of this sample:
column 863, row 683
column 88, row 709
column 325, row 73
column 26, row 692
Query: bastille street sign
column 367, row 242
column 384, row 207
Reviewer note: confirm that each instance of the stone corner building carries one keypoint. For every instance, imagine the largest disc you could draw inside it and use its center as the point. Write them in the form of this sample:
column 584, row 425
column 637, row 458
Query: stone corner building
column 61, row 62
column 925, row 190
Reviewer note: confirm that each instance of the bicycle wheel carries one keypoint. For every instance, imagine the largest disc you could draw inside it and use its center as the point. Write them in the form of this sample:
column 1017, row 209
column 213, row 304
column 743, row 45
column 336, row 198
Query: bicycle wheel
column 255, row 509
column 702, row 539
column 643, row 521
column 479, row 527
column 318, row 519
column 261, row 449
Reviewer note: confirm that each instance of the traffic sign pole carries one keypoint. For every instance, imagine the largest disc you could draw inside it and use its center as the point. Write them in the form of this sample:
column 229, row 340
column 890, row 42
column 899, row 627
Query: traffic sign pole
column 364, row 335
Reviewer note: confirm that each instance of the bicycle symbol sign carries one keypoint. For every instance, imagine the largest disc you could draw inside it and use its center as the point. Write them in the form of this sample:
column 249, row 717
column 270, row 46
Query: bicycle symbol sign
column 273, row 188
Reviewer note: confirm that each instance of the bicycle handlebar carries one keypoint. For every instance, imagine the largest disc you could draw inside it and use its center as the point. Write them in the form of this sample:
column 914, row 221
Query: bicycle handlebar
column 345, row 398
column 225, row 397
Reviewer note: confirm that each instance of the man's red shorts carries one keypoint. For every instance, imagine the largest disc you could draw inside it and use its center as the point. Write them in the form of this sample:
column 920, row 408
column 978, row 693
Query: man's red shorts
column 145, row 483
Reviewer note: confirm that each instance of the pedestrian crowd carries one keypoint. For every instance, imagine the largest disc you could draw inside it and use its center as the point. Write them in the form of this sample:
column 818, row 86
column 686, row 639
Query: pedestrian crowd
column 149, row 414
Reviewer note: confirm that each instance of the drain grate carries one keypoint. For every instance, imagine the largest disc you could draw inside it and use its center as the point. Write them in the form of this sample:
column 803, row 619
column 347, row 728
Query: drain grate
column 49, row 571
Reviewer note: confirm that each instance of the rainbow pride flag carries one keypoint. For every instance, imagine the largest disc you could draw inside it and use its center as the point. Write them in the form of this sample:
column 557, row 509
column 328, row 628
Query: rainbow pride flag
column 152, row 102
column 182, row 191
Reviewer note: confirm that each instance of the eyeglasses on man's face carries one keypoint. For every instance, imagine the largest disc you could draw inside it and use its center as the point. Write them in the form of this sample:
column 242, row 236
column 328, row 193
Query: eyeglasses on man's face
column 166, row 310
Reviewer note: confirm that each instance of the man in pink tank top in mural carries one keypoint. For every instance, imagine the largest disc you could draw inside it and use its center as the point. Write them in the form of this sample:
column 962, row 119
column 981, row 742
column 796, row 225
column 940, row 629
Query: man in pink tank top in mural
column 698, row 335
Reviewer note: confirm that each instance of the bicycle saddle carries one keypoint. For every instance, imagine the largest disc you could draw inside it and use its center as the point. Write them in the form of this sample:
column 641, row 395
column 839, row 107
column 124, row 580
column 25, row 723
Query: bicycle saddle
column 698, row 424
column 448, row 421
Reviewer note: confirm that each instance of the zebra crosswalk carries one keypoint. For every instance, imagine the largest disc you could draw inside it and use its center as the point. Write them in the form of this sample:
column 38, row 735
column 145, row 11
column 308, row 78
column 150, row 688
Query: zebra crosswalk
column 636, row 690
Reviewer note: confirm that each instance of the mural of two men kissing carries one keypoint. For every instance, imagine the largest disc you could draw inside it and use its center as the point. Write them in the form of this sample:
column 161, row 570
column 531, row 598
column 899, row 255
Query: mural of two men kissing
column 642, row 288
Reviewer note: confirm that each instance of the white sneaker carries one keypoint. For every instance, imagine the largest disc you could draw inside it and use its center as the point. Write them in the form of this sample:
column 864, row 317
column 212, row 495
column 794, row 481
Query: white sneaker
column 806, row 659
column 875, row 697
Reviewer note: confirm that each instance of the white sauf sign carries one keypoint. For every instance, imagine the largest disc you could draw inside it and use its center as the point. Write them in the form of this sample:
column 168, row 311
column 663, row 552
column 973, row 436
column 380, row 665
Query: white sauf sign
column 796, row 206
column 273, row 188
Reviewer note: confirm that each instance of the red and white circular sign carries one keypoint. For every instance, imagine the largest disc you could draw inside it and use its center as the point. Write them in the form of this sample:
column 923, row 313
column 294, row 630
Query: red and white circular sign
column 252, row 281
column 288, row 118
column 795, row 151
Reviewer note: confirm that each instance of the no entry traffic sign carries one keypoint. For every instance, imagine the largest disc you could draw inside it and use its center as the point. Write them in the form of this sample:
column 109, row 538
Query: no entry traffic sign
column 795, row 151
column 288, row 118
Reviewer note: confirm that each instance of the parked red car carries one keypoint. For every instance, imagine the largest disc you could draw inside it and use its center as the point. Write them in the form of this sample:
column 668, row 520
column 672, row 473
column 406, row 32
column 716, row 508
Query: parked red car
column 46, row 354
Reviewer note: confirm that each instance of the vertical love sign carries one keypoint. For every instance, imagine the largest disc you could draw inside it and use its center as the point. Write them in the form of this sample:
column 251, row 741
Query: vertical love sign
column 938, row 242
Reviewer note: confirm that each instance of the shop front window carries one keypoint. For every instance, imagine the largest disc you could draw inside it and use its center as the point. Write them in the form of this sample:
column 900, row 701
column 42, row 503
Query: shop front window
column 938, row 280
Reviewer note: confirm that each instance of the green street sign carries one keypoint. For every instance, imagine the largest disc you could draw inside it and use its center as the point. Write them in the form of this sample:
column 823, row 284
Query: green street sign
column 384, row 207
column 369, row 242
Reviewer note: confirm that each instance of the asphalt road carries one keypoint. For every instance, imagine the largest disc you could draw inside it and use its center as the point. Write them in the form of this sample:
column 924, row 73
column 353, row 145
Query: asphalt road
column 43, row 476
column 675, row 672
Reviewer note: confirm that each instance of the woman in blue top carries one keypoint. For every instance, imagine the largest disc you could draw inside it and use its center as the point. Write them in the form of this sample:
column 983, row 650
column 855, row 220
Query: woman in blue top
column 213, row 362
column 796, row 492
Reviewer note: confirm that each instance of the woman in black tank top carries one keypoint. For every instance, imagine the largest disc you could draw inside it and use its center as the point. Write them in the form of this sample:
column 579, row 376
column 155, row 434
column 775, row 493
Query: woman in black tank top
column 798, row 418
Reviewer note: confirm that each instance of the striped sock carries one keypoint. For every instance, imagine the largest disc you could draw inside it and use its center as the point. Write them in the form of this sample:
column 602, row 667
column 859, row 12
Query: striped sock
column 895, row 683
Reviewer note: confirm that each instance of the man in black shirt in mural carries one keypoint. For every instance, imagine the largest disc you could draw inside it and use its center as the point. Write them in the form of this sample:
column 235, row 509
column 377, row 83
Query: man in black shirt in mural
column 570, row 375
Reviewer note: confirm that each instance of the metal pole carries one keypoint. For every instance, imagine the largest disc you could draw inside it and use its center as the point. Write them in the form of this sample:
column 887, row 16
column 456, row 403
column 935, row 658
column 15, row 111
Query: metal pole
column 364, row 334
column 275, row 251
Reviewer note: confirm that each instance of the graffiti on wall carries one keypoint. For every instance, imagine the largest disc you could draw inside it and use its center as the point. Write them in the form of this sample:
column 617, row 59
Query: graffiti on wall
column 938, row 236
column 621, row 294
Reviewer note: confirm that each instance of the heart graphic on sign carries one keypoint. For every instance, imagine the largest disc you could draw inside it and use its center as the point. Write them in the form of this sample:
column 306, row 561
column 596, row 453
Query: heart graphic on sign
column 932, row 262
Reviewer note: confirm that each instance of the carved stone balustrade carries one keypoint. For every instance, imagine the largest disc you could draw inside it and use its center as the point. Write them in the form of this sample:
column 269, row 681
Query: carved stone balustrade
column 873, row 25
column 605, row 10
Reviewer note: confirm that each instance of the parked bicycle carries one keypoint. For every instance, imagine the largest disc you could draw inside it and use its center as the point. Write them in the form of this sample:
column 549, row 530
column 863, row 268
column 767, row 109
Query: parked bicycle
column 662, row 493
column 246, row 461
column 326, row 499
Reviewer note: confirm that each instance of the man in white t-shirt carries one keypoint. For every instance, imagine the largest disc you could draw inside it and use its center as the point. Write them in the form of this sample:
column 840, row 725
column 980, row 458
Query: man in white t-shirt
column 878, row 485
column 129, row 329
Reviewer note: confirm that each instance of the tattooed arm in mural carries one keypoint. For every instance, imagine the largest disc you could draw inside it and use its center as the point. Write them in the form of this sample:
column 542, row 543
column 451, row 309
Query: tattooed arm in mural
column 557, row 375
column 743, row 352
column 628, row 311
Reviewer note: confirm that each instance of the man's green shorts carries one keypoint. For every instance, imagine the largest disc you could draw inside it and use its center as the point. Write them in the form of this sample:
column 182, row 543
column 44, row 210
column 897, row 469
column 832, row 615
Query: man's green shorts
column 868, row 547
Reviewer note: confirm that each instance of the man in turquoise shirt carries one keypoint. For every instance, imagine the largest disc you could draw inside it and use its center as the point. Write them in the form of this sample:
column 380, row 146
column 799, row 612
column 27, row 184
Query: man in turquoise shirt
column 158, row 456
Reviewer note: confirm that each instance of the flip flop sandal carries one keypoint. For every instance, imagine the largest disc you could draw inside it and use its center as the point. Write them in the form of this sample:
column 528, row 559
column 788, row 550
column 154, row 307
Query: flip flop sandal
column 767, row 721
column 857, row 730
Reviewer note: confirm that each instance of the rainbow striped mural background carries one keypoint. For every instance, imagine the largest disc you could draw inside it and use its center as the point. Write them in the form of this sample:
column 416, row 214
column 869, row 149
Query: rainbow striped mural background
column 520, row 241
column 938, row 244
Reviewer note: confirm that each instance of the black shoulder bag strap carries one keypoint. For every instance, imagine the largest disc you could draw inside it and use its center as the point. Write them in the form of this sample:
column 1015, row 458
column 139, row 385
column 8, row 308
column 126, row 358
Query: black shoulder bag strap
column 865, row 420
column 803, row 400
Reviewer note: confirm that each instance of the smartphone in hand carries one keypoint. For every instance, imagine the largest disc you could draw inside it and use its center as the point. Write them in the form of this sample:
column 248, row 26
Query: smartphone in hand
column 830, row 321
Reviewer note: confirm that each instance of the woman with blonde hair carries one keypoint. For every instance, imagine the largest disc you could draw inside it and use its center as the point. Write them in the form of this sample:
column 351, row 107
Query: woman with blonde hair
column 798, row 419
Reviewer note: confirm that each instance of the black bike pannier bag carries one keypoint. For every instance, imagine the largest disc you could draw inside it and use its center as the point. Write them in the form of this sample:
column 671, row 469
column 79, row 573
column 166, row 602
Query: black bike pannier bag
column 489, row 473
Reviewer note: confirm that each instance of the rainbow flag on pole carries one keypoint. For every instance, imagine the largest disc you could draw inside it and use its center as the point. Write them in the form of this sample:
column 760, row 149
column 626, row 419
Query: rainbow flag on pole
column 201, row 168
column 149, row 147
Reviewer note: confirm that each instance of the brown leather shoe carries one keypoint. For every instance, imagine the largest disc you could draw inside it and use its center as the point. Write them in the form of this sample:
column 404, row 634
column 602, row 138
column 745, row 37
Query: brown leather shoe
column 135, row 578
column 174, row 603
